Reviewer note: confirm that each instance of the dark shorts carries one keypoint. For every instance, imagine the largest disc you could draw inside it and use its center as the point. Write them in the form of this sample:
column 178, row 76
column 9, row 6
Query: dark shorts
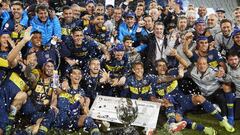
column 182, row 103
column 11, row 91
column 218, row 97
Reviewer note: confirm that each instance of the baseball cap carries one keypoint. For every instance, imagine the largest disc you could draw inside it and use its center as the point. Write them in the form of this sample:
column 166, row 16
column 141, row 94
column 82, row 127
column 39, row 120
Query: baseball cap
column 118, row 47
column 5, row 32
column 90, row 1
column 109, row 5
column 220, row 10
column 171, row 26
column 199, row 20
column 236, row 32
column 130, row 14
column 179, row 2
column 201, row 38
column 49, row 60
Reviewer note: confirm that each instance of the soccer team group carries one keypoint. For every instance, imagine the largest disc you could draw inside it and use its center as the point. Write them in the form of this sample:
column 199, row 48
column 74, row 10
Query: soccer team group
column 57, row 56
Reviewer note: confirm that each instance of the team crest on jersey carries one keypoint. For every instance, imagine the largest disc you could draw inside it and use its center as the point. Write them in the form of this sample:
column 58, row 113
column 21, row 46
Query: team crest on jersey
column 6, row 25
column 47, row 56
column 210, row 57
column 121, row 62
column 84, row 49
column 102, row 35
column 144, row 82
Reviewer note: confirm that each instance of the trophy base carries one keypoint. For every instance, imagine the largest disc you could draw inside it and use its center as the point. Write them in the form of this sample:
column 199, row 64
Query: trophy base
column 124, row 131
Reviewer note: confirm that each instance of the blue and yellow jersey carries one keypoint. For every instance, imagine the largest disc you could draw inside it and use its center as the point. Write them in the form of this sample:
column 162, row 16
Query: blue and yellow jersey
column 139, row 89
column 92, row 86
column 42, row 94
column 72, row 98
column 3, row 54
column 102, row 35
column 162, row 89
column 44, row 55
column 67, row 27
column 3, row 63
column 69, row 101
column 17, row 77
column 83, row 52
column 213, row 58
column 15, row 35
column 117, row 68
column 10, row 26
column 3, row 70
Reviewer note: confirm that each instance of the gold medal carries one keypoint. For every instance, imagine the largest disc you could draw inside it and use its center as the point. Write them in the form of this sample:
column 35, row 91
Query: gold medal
column 104, row 28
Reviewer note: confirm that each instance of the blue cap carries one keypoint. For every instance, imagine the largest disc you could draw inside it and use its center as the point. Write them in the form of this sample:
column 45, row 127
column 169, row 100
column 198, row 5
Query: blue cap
column 199, row 20
column 90, row 1
column 236, row 32
column 45, row 61
column 49, row 60
column 5, row 32
column 118, row 47
column 109, row 5
column 178, row 2
column 130, row 14
column 201, row 38
column 220, row 10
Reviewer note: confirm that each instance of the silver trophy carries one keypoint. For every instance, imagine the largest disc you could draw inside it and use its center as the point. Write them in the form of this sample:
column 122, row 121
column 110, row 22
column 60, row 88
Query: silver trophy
column 127, row 112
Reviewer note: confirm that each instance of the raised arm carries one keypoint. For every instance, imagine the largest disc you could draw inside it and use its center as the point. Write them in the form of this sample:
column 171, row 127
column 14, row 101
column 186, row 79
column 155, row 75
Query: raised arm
column 186, row 42
column 16, row 50
column 181, row 60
